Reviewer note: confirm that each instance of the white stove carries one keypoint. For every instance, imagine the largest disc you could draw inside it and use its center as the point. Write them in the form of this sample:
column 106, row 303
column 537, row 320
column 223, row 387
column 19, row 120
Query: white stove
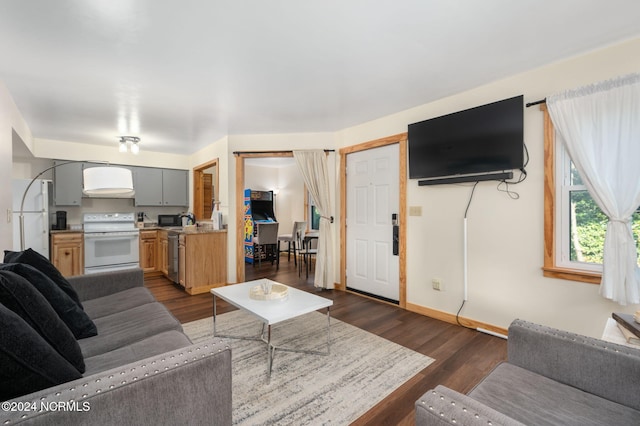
column 111, row 242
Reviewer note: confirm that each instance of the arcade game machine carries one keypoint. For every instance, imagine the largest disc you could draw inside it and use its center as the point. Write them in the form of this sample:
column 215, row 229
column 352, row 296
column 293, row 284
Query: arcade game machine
column 258, row 207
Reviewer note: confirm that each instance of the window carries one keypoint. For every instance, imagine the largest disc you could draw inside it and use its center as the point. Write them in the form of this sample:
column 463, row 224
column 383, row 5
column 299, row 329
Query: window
column 574, row 225
column 314, row 222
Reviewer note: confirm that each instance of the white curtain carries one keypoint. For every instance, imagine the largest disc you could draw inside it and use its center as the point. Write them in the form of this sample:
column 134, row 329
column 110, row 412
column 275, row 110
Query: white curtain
column 600, row 126
column 313, row 166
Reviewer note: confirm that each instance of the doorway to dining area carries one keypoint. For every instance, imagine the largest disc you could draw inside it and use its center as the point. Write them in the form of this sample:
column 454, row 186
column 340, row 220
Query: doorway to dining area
column 274, row 185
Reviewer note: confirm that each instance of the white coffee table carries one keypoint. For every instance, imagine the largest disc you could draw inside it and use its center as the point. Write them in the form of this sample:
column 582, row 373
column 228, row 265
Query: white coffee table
column 271, row 312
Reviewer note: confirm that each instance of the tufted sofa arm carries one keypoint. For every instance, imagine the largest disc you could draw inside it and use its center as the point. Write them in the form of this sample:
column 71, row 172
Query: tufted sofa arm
column 191, row 385
column 443, row 406
column 595, row 366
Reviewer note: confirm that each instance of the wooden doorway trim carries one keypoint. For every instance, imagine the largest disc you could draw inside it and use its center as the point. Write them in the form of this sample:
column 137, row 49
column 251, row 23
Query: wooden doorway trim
column 240, row 157
column 401, row 140
column 198, row 189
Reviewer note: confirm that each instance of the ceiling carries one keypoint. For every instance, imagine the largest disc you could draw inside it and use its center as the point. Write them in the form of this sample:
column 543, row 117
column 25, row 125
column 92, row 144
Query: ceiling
column 183, row 73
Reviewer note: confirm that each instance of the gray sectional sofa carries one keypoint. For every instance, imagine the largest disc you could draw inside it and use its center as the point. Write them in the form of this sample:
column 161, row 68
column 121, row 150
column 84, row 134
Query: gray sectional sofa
column 140, row 368
column 552, row 377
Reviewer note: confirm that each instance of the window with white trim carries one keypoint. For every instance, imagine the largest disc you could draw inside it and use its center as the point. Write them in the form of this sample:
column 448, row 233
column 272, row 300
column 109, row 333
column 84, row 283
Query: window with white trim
column 575, row 250
column 581, row 225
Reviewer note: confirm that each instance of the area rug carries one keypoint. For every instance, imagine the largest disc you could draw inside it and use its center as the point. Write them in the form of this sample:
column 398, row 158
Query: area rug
column 361, row 370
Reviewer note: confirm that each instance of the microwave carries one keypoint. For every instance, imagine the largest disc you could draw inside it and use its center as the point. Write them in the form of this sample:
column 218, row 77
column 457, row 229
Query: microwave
column 169, row 220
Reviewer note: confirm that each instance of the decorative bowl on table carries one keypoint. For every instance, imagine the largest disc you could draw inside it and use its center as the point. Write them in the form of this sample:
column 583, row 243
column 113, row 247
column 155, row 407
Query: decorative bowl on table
column 269, row 290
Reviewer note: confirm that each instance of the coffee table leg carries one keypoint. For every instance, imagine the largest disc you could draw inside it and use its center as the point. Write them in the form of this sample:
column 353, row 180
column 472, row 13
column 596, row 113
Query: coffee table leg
column 214, row 315
column 328, row 330
column 269, row 353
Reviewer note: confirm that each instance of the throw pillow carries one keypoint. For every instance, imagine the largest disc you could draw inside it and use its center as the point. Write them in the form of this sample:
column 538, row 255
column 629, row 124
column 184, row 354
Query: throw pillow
column 69, row 312
column 18, row 295
column 27, row 362
column 42, row 264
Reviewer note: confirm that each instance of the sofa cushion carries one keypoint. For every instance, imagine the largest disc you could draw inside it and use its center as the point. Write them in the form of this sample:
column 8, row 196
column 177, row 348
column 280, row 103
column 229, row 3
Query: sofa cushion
column 69, row 312
column 151, row 346
column 18, row 295
column 127, row 327
column 118, row 302
column 534, row 399
column 42, row 264
column 28, row 362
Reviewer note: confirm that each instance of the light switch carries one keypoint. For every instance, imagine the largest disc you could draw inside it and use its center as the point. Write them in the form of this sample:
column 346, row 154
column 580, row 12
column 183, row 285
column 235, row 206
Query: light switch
column 415, row 210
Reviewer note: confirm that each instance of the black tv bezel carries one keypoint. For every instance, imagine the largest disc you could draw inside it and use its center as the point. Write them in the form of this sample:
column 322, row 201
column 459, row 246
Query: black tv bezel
column 514, row 106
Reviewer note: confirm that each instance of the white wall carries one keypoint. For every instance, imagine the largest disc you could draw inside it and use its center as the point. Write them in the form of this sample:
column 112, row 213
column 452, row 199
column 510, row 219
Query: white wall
column 260, row 178
column 63, row 150
column 10, row 120
column 505, row 235
column 290, row 199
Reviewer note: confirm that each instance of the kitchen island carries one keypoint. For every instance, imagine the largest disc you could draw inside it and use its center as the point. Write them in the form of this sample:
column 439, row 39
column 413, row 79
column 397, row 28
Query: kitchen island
column 202, row 260
column 201, row 256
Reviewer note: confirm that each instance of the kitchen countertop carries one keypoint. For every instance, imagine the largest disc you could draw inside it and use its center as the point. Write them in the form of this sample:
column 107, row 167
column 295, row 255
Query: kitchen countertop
column 177, row 229
column 66, row 231
column 180, row 230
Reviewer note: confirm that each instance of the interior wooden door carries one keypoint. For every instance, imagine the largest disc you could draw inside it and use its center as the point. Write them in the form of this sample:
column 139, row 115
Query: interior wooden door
column 207, row 198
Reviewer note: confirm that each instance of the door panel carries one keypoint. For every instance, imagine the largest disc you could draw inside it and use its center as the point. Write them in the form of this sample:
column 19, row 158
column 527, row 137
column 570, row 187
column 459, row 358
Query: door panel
column 373, row 183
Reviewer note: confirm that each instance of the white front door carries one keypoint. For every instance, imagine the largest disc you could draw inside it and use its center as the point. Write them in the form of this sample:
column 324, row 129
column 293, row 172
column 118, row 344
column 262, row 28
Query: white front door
column 373, row 196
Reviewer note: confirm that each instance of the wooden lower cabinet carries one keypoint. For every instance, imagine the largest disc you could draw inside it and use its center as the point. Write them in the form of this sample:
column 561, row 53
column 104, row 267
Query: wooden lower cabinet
column 67, row 253
column 149, row 250
column 202, row 261
column 163, row 252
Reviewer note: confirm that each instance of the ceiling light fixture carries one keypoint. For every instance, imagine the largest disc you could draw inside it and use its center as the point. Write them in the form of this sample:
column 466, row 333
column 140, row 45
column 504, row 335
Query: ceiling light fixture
column 126, row 140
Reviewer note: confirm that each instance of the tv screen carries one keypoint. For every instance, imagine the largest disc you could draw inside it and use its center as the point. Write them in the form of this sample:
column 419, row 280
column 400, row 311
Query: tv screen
column 484, row 139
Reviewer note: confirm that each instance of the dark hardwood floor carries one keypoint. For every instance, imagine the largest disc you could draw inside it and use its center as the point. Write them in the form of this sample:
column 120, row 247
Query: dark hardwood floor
column 462, row 356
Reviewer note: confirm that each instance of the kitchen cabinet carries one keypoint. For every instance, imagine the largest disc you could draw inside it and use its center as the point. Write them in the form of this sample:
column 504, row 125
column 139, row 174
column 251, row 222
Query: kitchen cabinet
column 149, row 250
column 160, row 187
column 202, row 261
column 67, row 253
column 175, row 187
column 163, row 252
column 67, row 184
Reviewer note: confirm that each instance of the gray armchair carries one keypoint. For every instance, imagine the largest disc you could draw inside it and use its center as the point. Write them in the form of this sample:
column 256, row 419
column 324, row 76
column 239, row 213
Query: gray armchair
column 552, row 377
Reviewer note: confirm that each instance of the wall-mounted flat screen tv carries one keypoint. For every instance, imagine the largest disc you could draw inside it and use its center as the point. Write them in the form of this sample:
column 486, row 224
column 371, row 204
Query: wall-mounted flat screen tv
column 480, row 140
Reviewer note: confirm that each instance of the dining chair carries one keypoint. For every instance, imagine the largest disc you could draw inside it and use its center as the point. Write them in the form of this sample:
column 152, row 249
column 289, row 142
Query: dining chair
column 290, row 239
column 307, row 252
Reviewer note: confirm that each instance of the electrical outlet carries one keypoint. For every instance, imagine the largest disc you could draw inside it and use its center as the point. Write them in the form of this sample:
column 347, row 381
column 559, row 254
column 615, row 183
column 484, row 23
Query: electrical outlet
column 415, row 210
column 436, row 283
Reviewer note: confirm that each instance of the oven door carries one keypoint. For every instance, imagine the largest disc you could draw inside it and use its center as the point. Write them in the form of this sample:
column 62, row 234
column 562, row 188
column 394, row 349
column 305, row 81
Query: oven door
column 112, row 250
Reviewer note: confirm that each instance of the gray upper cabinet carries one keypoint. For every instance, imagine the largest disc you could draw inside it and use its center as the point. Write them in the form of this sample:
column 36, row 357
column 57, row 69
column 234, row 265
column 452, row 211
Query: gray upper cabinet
column 160, row 187
column 67, row 188
column 147, row 182
column 153, row 186
column 175, row 186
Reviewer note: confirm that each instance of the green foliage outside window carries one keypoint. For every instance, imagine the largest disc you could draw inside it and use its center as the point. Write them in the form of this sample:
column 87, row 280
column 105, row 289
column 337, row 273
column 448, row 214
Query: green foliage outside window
column 315, row 218
column 589, row 224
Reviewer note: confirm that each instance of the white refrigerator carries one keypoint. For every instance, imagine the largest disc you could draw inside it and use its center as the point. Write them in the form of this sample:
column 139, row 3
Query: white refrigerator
column 36, row 215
